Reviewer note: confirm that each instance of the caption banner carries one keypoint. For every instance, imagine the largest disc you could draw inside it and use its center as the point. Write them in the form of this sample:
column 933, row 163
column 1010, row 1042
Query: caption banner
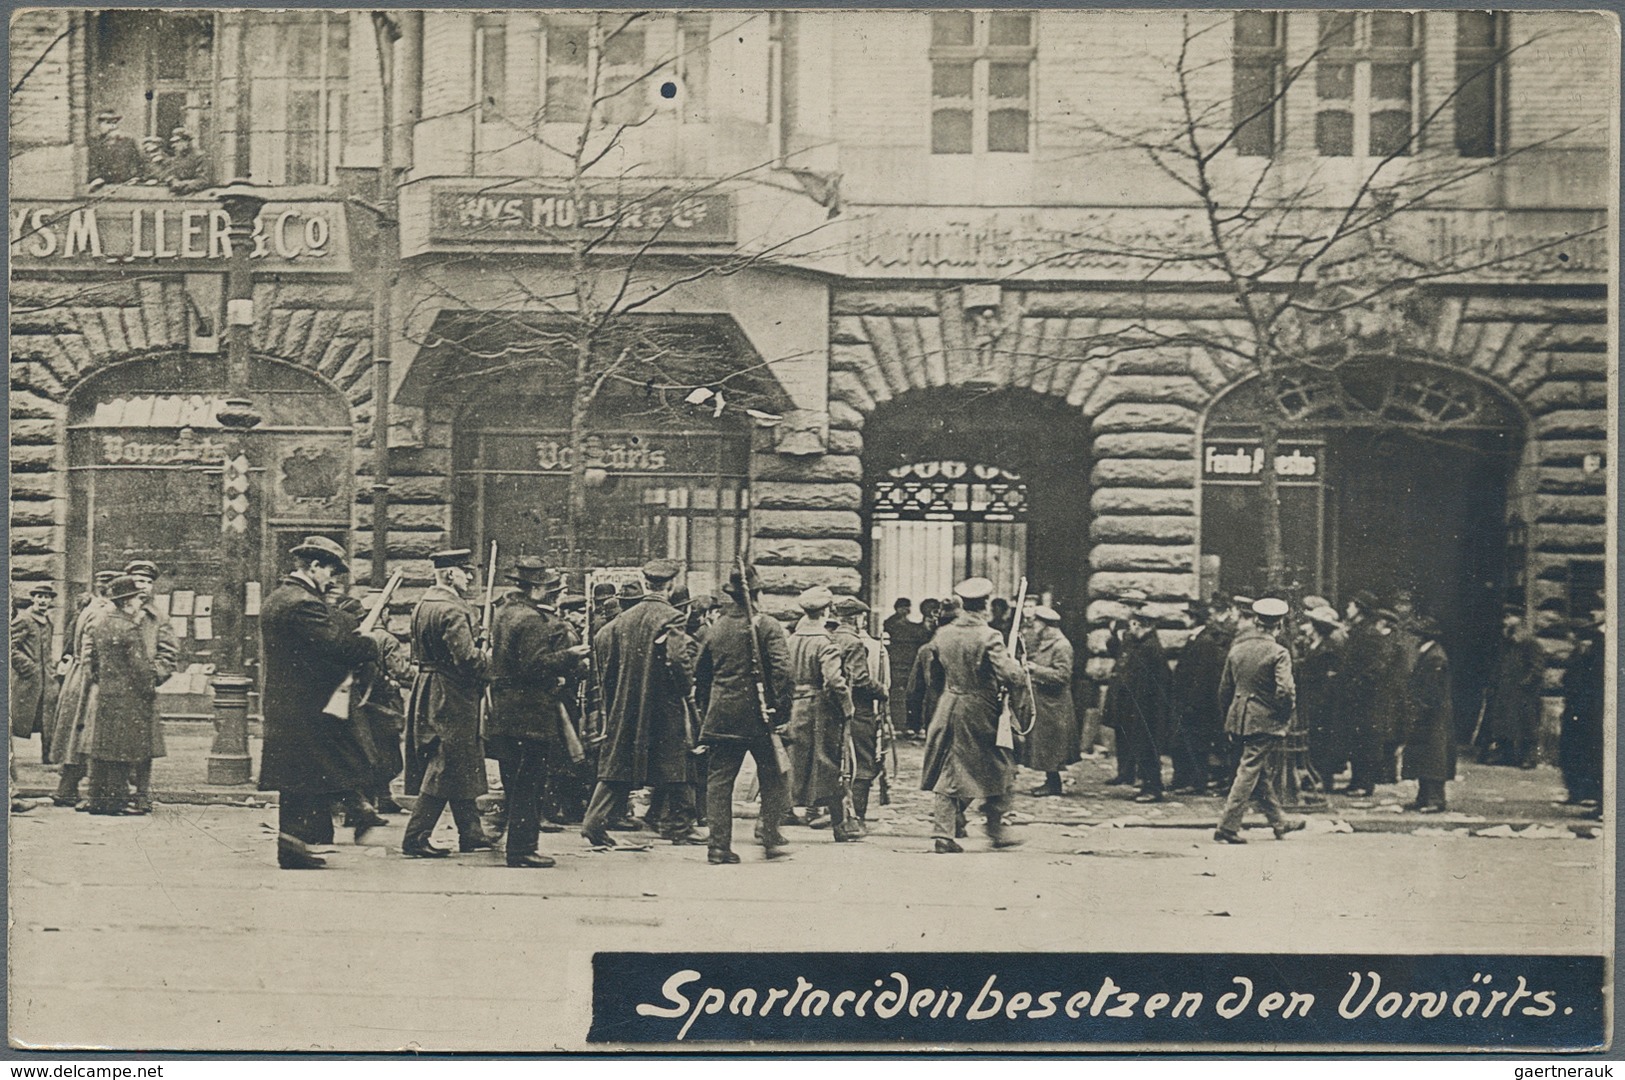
column 1488, row 1002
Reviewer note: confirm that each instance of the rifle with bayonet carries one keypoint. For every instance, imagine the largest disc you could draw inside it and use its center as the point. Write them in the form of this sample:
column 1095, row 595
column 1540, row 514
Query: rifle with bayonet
column 588, row 698
column 1006, row 737
column 757, row 674
column 485, row 629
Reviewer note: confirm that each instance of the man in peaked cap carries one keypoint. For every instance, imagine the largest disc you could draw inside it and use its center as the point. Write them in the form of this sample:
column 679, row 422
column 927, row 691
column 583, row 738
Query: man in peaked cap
column 645, row 701
column 533, row 653
column 963, row 761
column 1200, row 725
column 1363, row 677
column 70, row 746
column 1430, row 741
column 1257, row 693
column 1053, row 744
column 819, row 715
column 166, row 650
column 866, row 670
column 114, row 156
column 1512, row 708
column 444, row 758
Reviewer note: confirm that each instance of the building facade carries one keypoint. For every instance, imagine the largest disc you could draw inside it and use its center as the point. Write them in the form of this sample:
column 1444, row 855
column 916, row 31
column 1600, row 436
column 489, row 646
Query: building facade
column 926, row 264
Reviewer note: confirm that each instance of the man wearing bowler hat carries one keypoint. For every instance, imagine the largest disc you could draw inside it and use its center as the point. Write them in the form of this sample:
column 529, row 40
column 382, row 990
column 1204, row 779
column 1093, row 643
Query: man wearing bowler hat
column 533, row 653
column 444, row 760
column 645, row 698
column 313, row 758
column 1257, row 694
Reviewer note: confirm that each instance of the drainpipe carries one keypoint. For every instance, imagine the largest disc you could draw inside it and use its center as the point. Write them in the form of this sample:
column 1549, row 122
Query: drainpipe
column 387, row 32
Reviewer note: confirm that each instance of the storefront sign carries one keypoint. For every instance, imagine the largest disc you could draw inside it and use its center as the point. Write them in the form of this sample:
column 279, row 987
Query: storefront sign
column 1243, row 461
column 617, row 452
column 185, row 449
column 174, row 234
column 552, row 216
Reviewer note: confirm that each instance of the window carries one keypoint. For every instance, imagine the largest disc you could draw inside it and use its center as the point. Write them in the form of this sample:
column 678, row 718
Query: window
column 981, row 82
column 300, row 67
column 693, row 67
column 1260, row 55
column 1480, row 50
column 622, row 77
column 156, row 72
column 567, row 53
column 491, row 66
column 614, row 48
column 1365, row 83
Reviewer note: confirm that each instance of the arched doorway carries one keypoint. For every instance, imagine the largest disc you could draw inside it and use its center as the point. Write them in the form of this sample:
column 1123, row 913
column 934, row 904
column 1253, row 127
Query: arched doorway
column 961, row 482
column 1393, row 477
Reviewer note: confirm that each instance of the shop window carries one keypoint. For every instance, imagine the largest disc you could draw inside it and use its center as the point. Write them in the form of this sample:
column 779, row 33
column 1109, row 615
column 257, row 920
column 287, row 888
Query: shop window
column 981, row 82
column 1365, row 83
column 1260, row 57
column 300, row 66
column 1480, row 74
column 491, row 66
column 155, row 71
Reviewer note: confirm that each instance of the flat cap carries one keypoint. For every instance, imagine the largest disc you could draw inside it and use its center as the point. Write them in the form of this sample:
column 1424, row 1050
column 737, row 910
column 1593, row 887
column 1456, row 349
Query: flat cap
column 444, row 560
column 122, row 588
column 1324, row 616
column 660, row 570
column 1046, row 613
column 816, row 598
column 104, row 576
column 976, row 588
column 321, row 547
column 42, row 589
column 850, row 605
column 572, row 601
column 630, row 592
column 1270, row 607
column 141, row 568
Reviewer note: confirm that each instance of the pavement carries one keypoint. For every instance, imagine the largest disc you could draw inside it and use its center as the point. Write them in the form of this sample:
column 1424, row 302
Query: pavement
column 177, row 930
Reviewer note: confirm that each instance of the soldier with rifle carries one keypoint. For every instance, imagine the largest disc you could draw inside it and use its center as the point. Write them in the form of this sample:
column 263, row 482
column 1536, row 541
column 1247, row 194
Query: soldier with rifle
column 742, row 686
column 865, row 668
column 819, row 717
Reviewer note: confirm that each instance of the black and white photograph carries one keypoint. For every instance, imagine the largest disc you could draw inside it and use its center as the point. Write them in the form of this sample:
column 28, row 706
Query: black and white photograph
column 545, row 530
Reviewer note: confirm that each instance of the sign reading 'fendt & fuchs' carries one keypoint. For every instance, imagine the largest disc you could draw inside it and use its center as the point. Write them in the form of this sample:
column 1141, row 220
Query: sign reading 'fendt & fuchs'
column 1244, row 461
column 173, row 234
column 666, row 217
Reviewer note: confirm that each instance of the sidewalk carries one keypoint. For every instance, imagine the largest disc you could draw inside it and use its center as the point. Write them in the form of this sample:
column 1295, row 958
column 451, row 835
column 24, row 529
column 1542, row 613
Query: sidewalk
column 1482, row 797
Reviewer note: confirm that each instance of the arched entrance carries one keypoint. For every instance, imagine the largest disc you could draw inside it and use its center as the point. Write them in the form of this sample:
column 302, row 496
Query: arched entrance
column 961, row 482
column 1393, row 476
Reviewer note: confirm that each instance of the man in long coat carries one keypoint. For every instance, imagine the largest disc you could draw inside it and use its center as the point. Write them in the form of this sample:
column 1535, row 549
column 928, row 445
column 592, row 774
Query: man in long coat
column 963, row 761
column 1053, row 743
column 1512, row 713
column 1363, row 669
column 445, row 762
column 75, row 705
column 33, row 688
column 644, row 711
column 903, row 637
column 925, row 679
column 166, row 651
column 1257, row 693
column 127, row 680
column 1430, row 743
column 726, row 675
column 533, row 651
column 1199, row 725
column 1580, row 746
column 1142, row 704
column 1322, row 693
column 311, row 757
column 819, row 715
column 859, row 664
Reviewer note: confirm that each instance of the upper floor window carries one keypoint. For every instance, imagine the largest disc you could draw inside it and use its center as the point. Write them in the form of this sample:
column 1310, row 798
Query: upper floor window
column 612, row 47
column 300, row 64
column 1255, row 100
column 693, row 66
column 491, row 66
column 1480, row 56
column 981, row 81
column 151, row 97
column 1365, row 83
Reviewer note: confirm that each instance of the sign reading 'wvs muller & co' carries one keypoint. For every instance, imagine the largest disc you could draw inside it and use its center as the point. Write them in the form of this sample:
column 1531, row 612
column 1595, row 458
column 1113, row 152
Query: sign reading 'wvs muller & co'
column 544, row 216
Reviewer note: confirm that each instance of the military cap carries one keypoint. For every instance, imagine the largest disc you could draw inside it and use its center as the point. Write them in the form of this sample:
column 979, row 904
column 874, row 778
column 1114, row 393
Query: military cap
column 450, row 557
column 814, row 599
column 1270, row 607
column 1047, row 614
column 1324, row 616
column 660, row 570
column 735, row 587
column 572, row 601
column 141, row 568
column 104, row 576
column 1388, row 614
column 1241, row 602
column 630, row 592
column 530, row 571
column 122, row 588
column 850, row 605
column 320, row 547
column 1366, row 599
column 976, row 588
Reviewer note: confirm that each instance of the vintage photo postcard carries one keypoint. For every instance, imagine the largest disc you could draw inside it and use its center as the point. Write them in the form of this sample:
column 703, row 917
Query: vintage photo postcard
column 544, row 530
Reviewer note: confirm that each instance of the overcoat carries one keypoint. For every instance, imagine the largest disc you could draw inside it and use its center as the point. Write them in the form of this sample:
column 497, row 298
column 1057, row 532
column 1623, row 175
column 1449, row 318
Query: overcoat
column 530, row 663
column 924, row 686
column 644, row 698
column 1514, row 693
column 1053, row 742
column 1321, row 705
column 1580, row 744
column 309, row 648
column 74, row 703
column 1141, row 701
column 127, row 682
column 376, row 703
column 725, row 674
column 867, row 694
column 1376, row 697
column 1196, row 686
column 1430, row 747
column 818, row 715
column 166, row 652
column 33, row 681
column 1257, row 691
column 903, row 641
column 962, row 757
column 444, row 757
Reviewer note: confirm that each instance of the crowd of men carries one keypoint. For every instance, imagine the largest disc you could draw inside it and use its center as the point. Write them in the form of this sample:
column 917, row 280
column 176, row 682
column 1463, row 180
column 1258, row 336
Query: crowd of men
column 582, row 700
column 115, row 158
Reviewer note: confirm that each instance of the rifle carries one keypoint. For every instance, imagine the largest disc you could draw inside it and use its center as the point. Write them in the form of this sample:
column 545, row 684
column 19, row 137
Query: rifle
column 780, row 755
column 1006, row 738
column 587, row 696
column 885, row 739
column 690, row 726
column 338, row 703
column 485, row 628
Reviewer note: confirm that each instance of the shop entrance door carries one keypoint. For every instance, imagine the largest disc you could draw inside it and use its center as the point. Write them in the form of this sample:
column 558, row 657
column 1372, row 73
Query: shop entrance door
column 928, row 534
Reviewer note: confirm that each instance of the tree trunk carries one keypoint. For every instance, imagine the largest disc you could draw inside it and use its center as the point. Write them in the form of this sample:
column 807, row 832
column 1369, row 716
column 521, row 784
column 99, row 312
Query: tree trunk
column 575, row 512
column 1269, row 486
